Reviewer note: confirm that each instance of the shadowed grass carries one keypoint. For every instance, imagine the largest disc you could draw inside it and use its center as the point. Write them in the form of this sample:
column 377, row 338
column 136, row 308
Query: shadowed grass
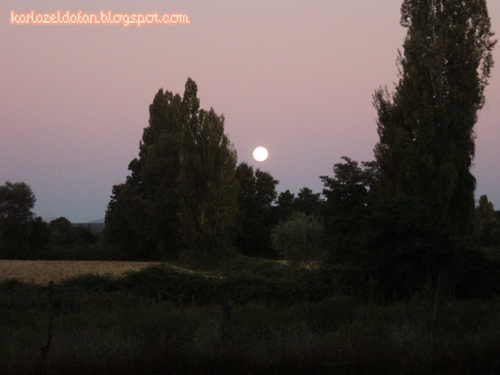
column 110, row 330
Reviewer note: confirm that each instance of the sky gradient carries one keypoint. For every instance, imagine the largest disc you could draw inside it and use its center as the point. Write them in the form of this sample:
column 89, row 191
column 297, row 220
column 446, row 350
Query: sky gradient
column 296, row 77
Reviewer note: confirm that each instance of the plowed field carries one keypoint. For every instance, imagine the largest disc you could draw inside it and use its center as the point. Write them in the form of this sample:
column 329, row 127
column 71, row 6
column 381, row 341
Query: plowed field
column 42, row 271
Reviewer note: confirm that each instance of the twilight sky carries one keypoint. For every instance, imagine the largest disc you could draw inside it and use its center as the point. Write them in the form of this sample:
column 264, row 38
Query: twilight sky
column 296, row 77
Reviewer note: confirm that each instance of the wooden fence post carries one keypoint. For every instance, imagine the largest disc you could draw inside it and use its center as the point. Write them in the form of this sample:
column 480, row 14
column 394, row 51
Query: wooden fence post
column 44, row 352
column 226, row 323
column 441, row 286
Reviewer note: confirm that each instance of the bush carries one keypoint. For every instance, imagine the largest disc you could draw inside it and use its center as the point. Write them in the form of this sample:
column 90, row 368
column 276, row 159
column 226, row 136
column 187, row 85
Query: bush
column 476, row 274
column 299, row 239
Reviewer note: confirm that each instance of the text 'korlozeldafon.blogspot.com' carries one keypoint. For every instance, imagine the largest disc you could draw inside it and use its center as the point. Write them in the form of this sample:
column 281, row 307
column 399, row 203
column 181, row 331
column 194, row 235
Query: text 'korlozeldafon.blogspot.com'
column 102, row 18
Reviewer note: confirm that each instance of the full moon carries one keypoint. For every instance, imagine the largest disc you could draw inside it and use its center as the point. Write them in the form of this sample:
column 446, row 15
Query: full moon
column 260, row 154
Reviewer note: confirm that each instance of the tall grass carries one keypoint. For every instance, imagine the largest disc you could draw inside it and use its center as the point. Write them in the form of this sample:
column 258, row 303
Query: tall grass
column 105, row 326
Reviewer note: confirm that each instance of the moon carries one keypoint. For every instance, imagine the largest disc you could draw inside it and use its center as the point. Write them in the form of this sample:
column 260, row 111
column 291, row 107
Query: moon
column 260, row 154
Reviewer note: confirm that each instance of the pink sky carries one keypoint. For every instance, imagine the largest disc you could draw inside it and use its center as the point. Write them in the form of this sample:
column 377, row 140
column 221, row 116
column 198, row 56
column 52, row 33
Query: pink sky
column 294, row 76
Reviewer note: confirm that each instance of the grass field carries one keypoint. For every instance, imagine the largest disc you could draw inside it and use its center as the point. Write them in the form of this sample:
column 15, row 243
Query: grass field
column 43, row 271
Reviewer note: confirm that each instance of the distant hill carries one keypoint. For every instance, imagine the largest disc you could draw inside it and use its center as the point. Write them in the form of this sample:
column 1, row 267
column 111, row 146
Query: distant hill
column 97, row 221
column 93, row 226
column 48, row 219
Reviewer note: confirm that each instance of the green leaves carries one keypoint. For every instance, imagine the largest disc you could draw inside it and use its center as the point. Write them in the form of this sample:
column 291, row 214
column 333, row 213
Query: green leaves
column 487, row 223
column 21, row 233
column 426, row 132
column 255, row 218
column 181, row 191
column 299, row 239
column 16, row 202
column 207, row 185
column 350, row 194
column 401, row 250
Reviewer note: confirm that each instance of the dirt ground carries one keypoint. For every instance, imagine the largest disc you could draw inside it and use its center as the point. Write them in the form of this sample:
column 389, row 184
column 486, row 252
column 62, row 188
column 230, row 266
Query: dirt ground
column 42, row 271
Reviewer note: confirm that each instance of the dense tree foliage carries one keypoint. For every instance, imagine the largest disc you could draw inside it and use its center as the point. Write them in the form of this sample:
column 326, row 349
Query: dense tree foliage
column 285, row 206
column 426, row 126
column 350, row 196
column 126, row 222
column 308, row 202
column 256, row 214
column 21, row 232
column 142, row 214
column 299, row 239
column 16, row 203
column 400, row 250
column 208, row 187
column 61, row 232
column 487, row 223
column 64, row 235
column 181, row 191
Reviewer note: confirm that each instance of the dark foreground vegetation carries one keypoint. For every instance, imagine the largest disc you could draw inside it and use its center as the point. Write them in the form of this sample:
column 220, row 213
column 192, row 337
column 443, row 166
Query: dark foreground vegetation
column 281, row 321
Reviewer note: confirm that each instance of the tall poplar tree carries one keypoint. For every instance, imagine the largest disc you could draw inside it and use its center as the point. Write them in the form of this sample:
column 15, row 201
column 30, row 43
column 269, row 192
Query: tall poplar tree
column 207, row 185
column 426, row 126
column 142, row 214
column 181, row 191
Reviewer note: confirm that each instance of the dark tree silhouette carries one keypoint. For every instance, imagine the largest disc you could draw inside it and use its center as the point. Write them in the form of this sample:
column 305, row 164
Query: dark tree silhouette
column 426, row 126
column 181, row 192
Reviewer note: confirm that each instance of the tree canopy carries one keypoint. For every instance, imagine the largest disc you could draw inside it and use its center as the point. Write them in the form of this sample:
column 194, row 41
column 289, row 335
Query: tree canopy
column 299, row 239
column 207, row 184
column 21, row 232
column 487, row 223
column 16, row 203
column 350, row 195
column 256, row 214
column 426, row 126
column 181, row 192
